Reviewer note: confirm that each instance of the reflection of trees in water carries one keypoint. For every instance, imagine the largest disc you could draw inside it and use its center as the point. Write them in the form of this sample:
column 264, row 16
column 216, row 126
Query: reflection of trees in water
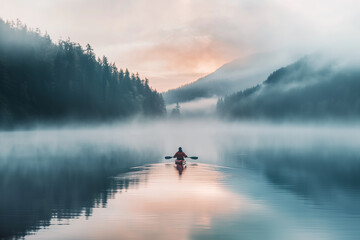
column 323, row 175
column 35, row 189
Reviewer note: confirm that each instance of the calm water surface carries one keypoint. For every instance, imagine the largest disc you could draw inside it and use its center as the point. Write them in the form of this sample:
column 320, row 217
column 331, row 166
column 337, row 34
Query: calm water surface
column 249, row 183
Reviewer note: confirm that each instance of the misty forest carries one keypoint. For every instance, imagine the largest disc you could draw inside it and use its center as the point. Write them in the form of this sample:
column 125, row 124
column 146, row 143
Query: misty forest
column 43, row 81
column 162, row 144
column 305, row 89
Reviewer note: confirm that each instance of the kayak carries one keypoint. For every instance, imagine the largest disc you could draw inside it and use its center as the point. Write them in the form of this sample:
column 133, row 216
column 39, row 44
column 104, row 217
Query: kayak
column 180, row 162
column 180, row 165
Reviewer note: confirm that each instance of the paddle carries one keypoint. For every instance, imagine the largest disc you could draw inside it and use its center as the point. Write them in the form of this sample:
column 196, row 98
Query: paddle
column 169, row 157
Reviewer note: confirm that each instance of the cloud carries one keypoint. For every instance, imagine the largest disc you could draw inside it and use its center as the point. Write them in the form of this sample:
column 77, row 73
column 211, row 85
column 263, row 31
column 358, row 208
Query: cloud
column 199, row 54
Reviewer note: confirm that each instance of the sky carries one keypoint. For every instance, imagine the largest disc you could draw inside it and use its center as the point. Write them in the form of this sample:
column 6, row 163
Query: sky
column 176, row 42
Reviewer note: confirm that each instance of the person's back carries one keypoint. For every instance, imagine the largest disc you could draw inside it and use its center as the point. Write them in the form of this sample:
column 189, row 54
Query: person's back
column 180, row 155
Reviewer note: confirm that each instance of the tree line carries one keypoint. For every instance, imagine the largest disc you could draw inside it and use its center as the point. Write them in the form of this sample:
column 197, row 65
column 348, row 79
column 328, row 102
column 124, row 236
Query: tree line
column 42, row 80
column 307, row 89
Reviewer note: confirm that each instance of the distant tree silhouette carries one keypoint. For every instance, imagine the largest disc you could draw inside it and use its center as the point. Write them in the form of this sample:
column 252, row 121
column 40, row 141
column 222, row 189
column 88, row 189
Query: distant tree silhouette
column 307, row 89
column 176, row 111
column 40, row 80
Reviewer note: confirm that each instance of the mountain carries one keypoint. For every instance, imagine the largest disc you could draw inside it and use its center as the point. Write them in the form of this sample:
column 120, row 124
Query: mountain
column 314, row 87
column 44, row 81
column 234, row 76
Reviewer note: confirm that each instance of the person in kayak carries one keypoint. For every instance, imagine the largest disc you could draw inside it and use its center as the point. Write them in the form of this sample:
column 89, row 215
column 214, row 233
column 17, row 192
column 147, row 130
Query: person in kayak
column 180, row 155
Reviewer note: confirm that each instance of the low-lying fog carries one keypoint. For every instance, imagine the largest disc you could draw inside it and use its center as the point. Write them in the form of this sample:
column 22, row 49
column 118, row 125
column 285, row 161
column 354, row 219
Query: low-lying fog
column 201, row 137
column 66, row 173
column 198, row 108
column 144, row 134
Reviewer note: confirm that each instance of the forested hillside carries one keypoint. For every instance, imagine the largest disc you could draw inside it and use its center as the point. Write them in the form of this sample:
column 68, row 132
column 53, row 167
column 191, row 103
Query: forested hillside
column 311, row 88
column 41, row 80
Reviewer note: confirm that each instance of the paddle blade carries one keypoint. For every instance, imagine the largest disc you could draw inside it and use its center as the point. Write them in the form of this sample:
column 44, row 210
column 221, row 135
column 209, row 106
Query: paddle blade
column 194, row 157
column 168, row 157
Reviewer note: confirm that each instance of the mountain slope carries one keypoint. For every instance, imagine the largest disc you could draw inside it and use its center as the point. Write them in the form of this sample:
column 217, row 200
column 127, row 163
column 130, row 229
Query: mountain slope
column 43, row 81
column 234, row 76
column 312, row 88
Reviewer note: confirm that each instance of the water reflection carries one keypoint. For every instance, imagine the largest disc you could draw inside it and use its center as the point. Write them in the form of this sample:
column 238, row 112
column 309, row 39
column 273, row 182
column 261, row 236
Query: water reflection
column 278, row 183
column 161, row 205
column 180, row 167
column 36, row 188
column 324, row 172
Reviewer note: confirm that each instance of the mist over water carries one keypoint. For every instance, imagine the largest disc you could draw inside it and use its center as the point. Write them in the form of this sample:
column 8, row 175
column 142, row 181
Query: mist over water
column 251, row 181
column 273, row 120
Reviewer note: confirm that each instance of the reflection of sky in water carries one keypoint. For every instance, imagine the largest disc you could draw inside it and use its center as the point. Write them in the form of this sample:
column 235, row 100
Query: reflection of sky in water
column 284, row 214
column 280, row 182
column 205, row 202
column 160, row 204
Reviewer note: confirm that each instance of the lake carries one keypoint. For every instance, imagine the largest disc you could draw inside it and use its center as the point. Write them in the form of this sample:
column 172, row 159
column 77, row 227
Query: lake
column 251, row 181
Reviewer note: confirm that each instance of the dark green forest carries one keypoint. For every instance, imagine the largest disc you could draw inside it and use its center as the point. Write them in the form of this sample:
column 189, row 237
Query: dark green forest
column 45, row 81
column 311, row 88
